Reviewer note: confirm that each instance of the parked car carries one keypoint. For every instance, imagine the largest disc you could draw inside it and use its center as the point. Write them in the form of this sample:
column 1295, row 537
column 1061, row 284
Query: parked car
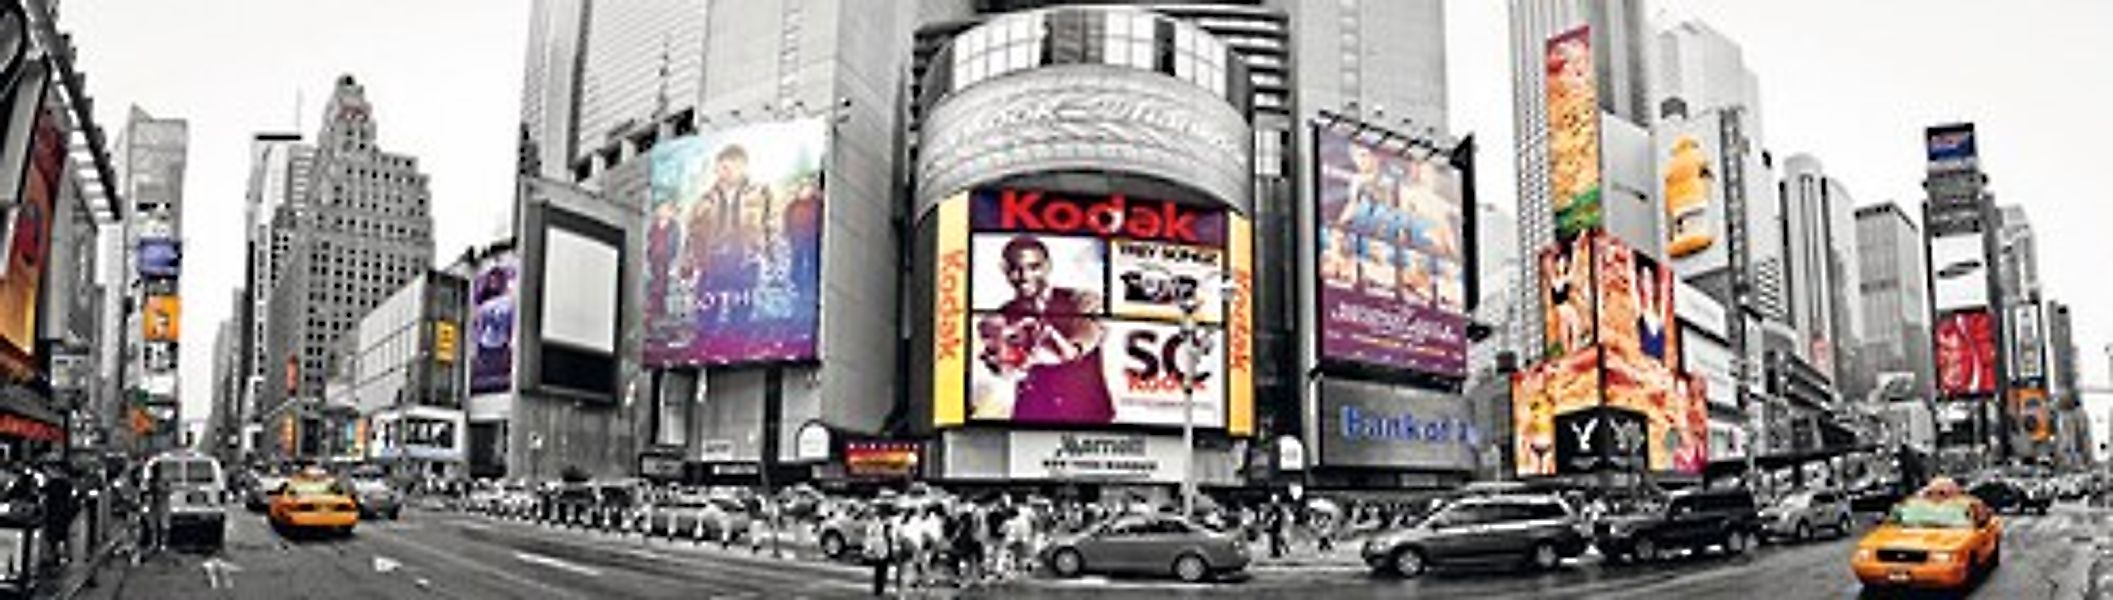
column 1798, row 515
column 1931, row 542
column 841, row 534
column 1147, row 545
column 197, row 496
column 2012, row 496
column 1690, row 519
column 1535, row 531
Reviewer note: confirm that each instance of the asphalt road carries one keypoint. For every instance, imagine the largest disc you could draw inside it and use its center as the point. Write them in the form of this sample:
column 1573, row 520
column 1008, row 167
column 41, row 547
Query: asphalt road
column 441, row 555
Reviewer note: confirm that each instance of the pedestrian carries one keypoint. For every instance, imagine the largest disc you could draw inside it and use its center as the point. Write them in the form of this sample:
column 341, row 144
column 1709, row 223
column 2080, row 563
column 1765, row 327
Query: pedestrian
column 1279, row 518
column 969, row 539
column 157, row 515
column 58, row 510
column 759, row 526
column 879, row 549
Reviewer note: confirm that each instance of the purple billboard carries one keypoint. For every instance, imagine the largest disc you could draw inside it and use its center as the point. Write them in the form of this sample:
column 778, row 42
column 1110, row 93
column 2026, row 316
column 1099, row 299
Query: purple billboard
column 733, row 246
column 492, row 325
column 1391, row 257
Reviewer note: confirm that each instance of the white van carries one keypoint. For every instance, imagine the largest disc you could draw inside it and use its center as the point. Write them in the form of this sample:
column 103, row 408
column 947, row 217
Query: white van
column 197, row 496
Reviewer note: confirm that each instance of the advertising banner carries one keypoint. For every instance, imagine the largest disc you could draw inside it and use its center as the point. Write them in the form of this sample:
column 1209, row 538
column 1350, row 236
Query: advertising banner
column 1051, row 347
column 1727, row 441
column 894, row 460
column 1688, row 155
column 1392, row 261
column 1573, row 133
column 2028, row 351
column 1600, row 438
column 1567, row 301
column 1239, row 330
column 28, row 235
column 1542, row 394
column 161, row 319
column 1095, row 456
column 2029, row 407
column 492, row 324
column 1958, row 272
column 445, row 342
column 1637, row 324
column 160, row 257
column 1368, row 425
column 950, row 313
column 1950, row 147
column 1966, row 354
column 1711, row 361
column 733, row 246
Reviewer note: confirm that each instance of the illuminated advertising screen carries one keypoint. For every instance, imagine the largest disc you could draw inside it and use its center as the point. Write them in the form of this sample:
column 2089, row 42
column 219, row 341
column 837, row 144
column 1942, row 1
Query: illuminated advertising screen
column 2029, row 407
column 733, row 246
column 1573, row 133
column 1391, row 256
column 1637, row 324
column 1950, row 147
column 2028, row 349
column 28, row 238
column 1966, row 354
column 1076, row 306
column 1567, row 300
column 1688, row 155
column 1395, row 427
column 492, row 324
column 160, row 257
column 162, row 318
column 1543, row 394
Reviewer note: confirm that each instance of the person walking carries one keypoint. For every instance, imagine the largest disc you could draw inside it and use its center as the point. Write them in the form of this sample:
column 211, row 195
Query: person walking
column 878, row 548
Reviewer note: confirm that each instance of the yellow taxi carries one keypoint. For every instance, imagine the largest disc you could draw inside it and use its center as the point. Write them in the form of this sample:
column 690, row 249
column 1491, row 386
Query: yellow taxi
column 1939, row 538
column 314, row 502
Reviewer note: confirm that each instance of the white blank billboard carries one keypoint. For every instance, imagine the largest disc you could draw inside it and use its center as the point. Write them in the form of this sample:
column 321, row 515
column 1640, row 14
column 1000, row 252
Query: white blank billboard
column 1958, row 272
column 579, row 291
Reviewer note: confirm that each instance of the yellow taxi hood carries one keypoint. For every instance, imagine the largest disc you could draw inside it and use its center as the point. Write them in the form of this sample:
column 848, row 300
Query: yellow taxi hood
column 1894, row 536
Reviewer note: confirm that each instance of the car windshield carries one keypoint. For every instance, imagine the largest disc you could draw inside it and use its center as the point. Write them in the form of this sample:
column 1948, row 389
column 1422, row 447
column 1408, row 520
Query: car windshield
column 1925, row 514
column 1796, row 500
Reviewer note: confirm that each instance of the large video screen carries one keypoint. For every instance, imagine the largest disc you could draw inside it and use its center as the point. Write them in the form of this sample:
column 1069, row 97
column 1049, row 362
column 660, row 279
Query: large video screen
column 733, row 247
column 1637, row 325
column 1958, row 272
column 492, row 324
column 1392, row 258
column 579, row 298
column 28, row 237
column 1567, row 301
column 160, row 257
column 1966, row 354
column 1543, row 394
column 1076, row 308
column 1573, row 132
column 1688, row 155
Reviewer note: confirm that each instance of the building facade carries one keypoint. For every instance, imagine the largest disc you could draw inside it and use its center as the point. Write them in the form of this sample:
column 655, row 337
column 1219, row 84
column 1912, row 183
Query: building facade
column 1895, row 303
column 362, row 230
column 408, row 376
column 151, row 156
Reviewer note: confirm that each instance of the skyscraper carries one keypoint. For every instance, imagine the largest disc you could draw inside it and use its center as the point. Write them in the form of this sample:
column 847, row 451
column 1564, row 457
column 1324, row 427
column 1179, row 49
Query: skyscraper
column 151, row 157
column 279, row 169
column 1620, row 41
column 1822, row 264
column 361, row 231
column 1704, row 70
column 1895, row 288
column 598, row 72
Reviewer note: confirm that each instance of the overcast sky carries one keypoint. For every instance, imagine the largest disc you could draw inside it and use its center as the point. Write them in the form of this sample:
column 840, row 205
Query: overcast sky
column 1852, row 83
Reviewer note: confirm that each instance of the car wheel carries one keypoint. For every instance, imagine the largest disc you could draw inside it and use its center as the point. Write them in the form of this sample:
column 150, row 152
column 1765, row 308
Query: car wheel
column 1545, row 558
column 833, row 545
column 1741, row 542
column 1191, row 568
column 1646, row 550
column 1067, row 563
column 1804, row 531
column 1408, row 562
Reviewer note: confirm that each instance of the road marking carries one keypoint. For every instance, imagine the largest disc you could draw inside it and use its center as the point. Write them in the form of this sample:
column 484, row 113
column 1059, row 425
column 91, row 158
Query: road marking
column 556, row 563
column 384, row 564
column 475, row 565
column 219, row 573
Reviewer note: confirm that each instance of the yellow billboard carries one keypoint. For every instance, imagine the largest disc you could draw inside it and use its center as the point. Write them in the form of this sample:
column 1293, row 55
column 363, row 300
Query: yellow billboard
column 162, row 319
column 444, row 342
column 950, row 314
column 1240, row 338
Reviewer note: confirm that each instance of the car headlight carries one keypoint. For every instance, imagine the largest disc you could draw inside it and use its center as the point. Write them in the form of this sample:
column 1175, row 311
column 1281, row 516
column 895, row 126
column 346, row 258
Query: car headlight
column 1943, row 557
column 1866, row 554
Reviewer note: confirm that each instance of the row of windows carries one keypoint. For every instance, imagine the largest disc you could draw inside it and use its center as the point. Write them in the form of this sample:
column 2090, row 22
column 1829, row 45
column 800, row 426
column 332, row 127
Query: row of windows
column 1126, row 38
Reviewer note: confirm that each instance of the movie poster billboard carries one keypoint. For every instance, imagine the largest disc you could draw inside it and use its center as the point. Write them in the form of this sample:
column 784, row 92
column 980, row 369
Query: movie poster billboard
column 492, row 324
column 1950, row 147
column 28, row 236
column 1392, row 259
column 1688, row 155
column 1541, row 396
column 1567, row 300
column 1076, row 306
column 2028, row 352
column 733, row 246
column 1573, row 133
column 1966, row 354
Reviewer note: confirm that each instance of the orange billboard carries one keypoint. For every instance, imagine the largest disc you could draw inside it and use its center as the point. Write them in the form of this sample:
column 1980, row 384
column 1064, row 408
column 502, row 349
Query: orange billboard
column 162, row 319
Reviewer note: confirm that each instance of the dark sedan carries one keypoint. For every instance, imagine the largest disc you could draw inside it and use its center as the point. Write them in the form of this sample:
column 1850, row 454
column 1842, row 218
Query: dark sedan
column 2008, row 496
column 1533, row 531
column 1147, row 545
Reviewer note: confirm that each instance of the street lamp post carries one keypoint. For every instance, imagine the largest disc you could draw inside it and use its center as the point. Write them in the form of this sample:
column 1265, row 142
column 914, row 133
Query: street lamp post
column 1197, row 341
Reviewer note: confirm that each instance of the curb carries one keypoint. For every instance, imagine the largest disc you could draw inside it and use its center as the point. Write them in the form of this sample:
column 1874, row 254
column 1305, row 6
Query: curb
column 71, row 584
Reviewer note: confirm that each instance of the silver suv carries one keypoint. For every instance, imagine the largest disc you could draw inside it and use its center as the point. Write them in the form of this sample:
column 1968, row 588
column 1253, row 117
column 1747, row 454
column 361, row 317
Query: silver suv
column 1798, row 515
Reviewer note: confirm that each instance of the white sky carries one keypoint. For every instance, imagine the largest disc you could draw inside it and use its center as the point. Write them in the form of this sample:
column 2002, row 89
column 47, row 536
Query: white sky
column 1853, row 83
